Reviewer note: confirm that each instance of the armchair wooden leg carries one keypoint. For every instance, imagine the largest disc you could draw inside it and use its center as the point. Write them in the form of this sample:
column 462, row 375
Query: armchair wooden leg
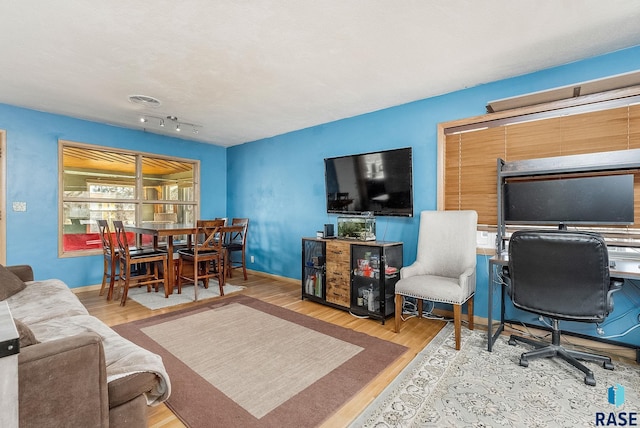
column 470, row 312
column 398, row 316
column 419, row 303
column 457, row 315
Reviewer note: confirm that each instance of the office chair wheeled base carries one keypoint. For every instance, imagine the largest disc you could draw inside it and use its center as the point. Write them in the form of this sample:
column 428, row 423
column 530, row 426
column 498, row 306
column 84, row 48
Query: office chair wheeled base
column 546, row 350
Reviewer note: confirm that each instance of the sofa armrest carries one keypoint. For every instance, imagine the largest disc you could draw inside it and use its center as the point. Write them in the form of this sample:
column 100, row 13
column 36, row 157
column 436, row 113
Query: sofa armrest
column 24, row 272
column 64, row 383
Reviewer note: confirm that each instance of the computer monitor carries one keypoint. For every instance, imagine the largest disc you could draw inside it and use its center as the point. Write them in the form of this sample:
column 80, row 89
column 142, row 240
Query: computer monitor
column 600, row 200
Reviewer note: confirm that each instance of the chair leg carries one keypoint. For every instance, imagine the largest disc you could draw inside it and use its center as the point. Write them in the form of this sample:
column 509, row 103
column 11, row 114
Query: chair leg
column 165, row 283
column 153, row 272
column 104, row 277
column 553, row 349
column 222, row 273
column 398, row 316
column 179, row 282
column 457, row 322
column 419, row 303
column 116, row 268
column 244, row 265
column 227, row 264
column 196, row 268
column 123, row 299
column 470, row 312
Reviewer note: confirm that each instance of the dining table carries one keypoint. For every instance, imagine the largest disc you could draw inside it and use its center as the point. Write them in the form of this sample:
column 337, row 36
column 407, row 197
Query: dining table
column 158, row 229
column 169, row 230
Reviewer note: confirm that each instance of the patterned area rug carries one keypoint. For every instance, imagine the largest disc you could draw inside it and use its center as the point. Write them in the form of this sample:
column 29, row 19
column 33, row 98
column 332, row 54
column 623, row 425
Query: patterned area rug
column 157, row 300
column 476, row 388
column 241, row 362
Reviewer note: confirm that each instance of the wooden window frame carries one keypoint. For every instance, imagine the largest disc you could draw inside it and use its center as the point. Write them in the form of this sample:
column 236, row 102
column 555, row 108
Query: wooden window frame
column 139, row 198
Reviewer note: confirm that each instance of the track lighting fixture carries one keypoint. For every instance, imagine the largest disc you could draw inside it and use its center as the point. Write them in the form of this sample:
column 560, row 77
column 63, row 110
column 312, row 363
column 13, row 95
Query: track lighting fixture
column 160, row 121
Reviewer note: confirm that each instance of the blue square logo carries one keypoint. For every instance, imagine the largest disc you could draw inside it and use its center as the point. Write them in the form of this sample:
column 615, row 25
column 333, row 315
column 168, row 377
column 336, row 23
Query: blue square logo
column 615, row 394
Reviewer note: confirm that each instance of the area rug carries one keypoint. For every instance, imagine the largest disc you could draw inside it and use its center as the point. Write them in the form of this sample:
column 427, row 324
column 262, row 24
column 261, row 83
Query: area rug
column 241, row 362
column 476, row 388
column 157, row 300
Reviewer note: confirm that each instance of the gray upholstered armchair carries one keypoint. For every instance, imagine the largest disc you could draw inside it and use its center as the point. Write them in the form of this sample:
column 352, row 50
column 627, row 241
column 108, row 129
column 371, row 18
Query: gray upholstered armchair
column 445, row 266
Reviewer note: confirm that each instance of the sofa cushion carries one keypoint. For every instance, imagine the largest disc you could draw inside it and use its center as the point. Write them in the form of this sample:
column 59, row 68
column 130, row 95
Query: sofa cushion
column 44, row 300
column 10, row 284
column 27, row 337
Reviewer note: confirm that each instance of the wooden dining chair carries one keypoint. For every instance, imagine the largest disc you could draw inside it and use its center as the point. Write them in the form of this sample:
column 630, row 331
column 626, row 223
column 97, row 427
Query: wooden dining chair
column 206, row 256
column 151, row 259
column 110, row 255
column 236, row 242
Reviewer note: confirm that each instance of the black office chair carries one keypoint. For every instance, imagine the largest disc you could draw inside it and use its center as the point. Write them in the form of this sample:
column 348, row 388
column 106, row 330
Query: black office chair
column 563, row 275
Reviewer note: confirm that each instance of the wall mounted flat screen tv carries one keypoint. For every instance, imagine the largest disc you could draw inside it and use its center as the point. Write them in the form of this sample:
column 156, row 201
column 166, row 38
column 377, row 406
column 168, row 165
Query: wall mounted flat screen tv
column 602, row 200
column 378, row 182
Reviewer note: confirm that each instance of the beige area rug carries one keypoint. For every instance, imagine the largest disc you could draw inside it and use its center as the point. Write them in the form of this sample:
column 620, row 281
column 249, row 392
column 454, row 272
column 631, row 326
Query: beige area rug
column 476, row 388
column 241, row 362
column 157, row 300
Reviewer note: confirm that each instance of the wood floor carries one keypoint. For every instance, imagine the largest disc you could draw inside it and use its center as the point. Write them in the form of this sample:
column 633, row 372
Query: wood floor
column 415, row 334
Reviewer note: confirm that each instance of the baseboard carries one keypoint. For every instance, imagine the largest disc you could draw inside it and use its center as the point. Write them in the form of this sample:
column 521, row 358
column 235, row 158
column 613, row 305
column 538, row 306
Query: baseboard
column 273, row 276
column 95, row 287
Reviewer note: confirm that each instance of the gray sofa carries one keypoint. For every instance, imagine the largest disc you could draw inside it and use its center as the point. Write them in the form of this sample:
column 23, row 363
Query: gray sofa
column 73, row 370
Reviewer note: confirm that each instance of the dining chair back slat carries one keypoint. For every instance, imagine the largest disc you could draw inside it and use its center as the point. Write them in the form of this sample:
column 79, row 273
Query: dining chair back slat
column 206, row 257
column 110, row 257
column 148, row 261
column 237, row 242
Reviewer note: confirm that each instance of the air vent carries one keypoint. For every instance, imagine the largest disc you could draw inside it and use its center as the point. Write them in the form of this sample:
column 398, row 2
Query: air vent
column 144, row 100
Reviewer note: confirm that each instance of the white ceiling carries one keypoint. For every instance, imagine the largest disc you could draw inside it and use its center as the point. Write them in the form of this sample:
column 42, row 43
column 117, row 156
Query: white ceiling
column 243, row 70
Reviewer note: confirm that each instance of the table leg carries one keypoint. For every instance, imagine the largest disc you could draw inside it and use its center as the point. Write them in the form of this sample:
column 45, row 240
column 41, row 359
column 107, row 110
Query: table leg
column 490, row 310
column 492, row 337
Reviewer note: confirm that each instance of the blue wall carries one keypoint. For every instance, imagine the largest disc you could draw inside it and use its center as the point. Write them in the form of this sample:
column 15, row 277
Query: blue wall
column 278, row 182
column 32, row 177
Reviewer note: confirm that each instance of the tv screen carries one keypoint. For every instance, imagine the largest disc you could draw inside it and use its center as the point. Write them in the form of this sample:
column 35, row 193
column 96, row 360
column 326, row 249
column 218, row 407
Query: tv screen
column 379, row 182
column 603, row 200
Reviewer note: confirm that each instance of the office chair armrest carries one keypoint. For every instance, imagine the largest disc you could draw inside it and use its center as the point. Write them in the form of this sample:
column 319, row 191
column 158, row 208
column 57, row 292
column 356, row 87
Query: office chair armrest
column 615, row 284
column 414, row 269
column 505, row 276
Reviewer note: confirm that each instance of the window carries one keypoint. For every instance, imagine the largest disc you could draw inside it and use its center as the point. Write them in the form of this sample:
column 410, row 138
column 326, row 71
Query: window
column 468, row 151
column 468, row 177
column 113, row 184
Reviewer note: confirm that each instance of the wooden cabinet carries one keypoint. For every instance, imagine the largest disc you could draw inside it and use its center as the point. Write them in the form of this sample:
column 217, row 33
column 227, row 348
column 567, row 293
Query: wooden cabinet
column 338, row 272
column 346, row 274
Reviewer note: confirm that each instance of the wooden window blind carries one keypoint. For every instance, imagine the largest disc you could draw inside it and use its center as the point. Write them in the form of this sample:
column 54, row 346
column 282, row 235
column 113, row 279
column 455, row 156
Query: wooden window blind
column 469, row 176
